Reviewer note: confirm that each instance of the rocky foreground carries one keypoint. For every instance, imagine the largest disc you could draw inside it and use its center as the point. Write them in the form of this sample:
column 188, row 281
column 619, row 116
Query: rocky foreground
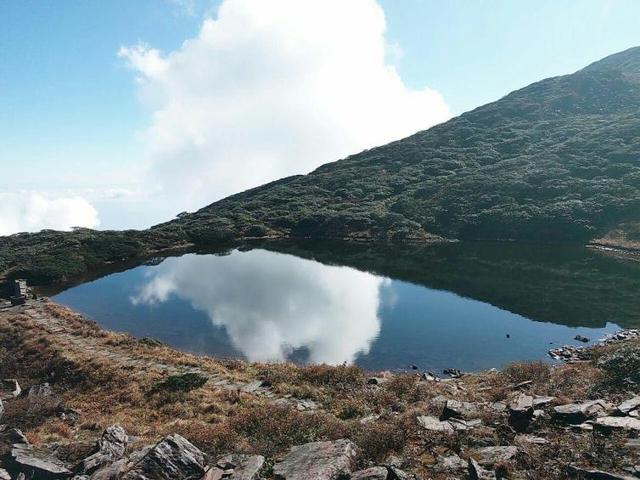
column 82, row 403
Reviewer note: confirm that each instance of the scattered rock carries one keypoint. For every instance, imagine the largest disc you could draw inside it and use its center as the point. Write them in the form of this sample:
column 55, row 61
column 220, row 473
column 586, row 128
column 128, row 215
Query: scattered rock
column 111, row 447
column 452, row 372
column 456, row 409
column 173, row 458
column 531, row 439
column 596, row 474
column 9, row 388
column 245, row 467
column 373, row 473
column 396, row 474
column 521, row 411
column 1, row 409
column 628, row 405
column 521, row 385
column 15, row 436
column 539, row 401
column 38, row 463
column 414, row 367
column 114, row 471
column 580, row 412
column 569, row 354
column 317, row 460
column 4, row 475
column 429, row 377
column 451, row 463
column 214, row 473
column 434, row 424
column 581, row 338
column 476, row 472
column 489, row 456
column 41, row 390
column 626, row 423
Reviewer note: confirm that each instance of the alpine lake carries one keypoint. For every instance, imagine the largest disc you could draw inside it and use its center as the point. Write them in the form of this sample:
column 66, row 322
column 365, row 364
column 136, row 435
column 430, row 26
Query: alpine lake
column 468, row 306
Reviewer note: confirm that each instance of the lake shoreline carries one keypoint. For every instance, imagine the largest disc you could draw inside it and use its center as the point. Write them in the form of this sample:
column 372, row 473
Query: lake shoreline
column 485, row 423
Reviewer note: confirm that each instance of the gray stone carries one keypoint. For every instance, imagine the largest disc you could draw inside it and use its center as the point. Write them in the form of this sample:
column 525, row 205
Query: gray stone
column 213, row 473
column 626, row 423
column 451, row 463
column 1, row 409
column 173, row 458
column 434, row 424
column 115, row 471
column 396, row 474
column 9, row 388
column 580, row 412
column 521, row 411
column 373, row 473
column 456, row 409
column 539, row 401
column 317, row 460
column 245, row 467
column 110, row 448
column 41, row 463
column 531, row 439
column 597, row 474
column 461, row 425
column 40, row 390
column 476, row 472
column 489, row 456
column 4, row 475
column 16, row 436
column 629, row 405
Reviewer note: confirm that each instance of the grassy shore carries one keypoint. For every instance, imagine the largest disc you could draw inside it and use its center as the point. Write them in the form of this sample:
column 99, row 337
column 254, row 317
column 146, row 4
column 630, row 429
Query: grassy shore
column 100, row 378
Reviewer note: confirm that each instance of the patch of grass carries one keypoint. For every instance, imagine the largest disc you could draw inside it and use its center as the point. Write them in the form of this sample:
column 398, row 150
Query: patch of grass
column 181, row 383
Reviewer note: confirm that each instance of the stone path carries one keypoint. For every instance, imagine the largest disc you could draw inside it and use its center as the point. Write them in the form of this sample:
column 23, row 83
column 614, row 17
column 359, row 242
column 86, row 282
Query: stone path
column 71, row 342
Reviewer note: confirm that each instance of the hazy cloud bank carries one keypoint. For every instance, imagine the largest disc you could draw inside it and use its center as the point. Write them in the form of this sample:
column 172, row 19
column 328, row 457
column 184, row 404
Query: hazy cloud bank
column 269, row 89
column 29, row 212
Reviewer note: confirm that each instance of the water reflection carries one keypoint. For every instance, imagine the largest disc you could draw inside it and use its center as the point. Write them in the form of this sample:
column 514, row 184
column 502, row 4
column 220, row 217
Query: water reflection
column 273, row 305
column 381, row 307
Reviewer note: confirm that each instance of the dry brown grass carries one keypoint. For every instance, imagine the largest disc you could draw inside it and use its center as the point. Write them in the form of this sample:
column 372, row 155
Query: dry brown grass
column 221, row 421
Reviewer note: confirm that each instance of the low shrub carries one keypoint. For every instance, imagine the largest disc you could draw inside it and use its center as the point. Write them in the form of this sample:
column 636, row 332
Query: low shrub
column 622, row 367
column 181, row 383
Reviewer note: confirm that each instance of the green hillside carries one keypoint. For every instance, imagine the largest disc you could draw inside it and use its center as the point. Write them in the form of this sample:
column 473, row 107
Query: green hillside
column 555, row 162
column 558, row 161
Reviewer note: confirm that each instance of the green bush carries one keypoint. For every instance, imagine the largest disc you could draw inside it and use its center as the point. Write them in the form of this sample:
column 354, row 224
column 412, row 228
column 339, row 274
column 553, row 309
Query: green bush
column 622, row 367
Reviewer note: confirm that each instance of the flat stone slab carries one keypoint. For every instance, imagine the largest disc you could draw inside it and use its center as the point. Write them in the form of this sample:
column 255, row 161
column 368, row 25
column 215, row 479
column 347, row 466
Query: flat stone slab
column 579, row 412
column 245, row 467
column 626, row 423
column 373, row 473
column 628, row 405
column 317, row 460
column 489, row 456
column 42, row 463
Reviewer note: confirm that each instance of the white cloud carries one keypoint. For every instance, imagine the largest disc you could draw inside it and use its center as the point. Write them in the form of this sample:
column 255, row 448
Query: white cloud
column 271, row 304
column 269, row 89
column 30, row 212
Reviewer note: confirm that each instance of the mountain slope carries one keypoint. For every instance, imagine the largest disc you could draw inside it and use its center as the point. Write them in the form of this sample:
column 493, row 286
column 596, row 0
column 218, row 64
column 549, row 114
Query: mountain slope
column 557, row 161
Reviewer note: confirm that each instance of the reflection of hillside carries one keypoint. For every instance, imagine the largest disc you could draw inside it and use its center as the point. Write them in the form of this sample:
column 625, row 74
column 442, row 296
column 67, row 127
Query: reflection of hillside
column 565, row 285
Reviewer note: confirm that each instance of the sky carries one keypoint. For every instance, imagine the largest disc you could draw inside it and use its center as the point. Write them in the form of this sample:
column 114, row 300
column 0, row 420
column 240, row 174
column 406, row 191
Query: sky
column 120, row 114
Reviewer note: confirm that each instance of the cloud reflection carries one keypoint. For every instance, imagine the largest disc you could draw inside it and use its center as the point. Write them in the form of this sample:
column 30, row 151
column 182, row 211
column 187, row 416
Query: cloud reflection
column 272, row 304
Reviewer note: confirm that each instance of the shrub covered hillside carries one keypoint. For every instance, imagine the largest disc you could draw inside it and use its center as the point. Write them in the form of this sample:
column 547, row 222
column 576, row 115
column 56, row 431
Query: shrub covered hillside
column 558, row 161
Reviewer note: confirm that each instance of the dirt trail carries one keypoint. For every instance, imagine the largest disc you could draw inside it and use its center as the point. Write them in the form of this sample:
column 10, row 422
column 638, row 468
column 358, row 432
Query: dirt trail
column 64, row 334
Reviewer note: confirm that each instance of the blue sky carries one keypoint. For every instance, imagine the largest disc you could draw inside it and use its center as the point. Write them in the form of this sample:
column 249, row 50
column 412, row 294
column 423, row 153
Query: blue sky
column 72, row 118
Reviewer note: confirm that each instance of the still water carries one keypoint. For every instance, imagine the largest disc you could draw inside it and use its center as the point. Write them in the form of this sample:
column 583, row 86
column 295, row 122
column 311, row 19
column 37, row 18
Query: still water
column 466, row 307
